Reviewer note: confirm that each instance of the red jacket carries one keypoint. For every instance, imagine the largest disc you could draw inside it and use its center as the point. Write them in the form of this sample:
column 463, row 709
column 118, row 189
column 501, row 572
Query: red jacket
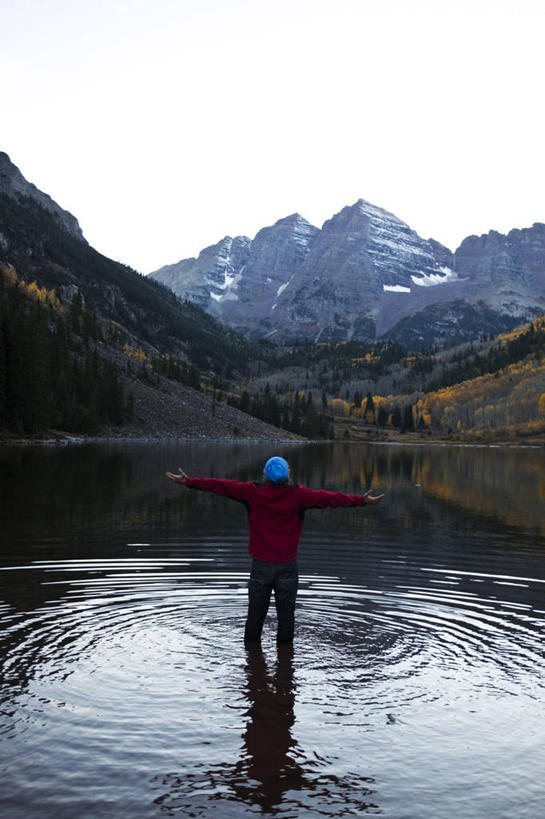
column 275, row 512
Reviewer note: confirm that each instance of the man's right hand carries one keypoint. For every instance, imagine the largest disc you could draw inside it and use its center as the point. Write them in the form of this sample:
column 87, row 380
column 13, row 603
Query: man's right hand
column 369, row 498
column 179, row 477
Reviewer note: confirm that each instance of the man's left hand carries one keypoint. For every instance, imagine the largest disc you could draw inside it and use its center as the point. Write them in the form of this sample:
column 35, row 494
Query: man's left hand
column 178, row 477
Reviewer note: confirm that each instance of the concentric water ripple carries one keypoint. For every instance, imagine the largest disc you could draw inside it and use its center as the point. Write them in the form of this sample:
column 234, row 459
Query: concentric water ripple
column 415, row 686
column 188, row 608
column 138, row 662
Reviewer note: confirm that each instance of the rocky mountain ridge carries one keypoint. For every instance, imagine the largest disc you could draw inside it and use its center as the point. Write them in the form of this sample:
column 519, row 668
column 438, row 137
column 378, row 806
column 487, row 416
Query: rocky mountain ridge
column 43, row 243
column 14, row 184
column 365, row 275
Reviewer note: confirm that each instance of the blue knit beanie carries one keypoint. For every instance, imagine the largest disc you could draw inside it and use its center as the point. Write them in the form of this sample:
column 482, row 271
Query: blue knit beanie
column 276, row 470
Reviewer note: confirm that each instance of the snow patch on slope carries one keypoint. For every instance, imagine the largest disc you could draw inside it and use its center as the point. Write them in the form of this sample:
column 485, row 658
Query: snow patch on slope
column 229, row 285
column 395, row 288
column 433, row 279
column 283, row 287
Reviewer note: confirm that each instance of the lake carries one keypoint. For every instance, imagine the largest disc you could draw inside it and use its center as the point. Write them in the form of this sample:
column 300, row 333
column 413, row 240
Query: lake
column 415, row 686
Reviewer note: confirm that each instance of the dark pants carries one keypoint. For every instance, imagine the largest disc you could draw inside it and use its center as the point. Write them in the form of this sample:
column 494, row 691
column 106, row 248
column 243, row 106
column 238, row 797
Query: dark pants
column 264, row 578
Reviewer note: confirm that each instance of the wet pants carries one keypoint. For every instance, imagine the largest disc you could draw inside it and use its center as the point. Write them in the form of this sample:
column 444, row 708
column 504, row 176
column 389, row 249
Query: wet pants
column 282, row 578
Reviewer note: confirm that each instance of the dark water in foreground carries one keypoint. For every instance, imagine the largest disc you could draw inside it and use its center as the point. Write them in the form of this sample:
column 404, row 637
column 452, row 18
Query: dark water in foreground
column 416, row 685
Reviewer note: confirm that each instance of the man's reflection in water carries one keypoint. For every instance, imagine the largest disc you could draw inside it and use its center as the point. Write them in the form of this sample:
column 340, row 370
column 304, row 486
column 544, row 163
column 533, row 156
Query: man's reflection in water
column 268, row 775
column 270, row 770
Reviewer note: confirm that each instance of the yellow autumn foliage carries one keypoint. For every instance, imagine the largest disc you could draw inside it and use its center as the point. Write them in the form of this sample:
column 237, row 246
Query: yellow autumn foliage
column 9, row 273
column 41, row 294
column 134, row 353
column 514, row 396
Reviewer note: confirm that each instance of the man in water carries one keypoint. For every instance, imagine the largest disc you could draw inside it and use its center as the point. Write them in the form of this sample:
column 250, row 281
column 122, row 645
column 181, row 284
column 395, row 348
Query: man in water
column 276, row 510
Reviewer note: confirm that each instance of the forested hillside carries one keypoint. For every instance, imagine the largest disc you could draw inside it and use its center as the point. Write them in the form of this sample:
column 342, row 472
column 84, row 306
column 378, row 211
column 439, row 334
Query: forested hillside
column 52, row 375
column 491, row 390
column 40, row 250
column 66, row 371
column 506, row 398
column 79, row 333
column 493, row 387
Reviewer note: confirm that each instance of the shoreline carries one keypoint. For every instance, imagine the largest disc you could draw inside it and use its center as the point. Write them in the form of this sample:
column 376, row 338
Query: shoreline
column 176, row 412
column 407, row 439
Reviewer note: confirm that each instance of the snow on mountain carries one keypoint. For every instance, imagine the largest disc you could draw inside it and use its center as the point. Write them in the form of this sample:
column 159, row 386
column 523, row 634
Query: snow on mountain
column 359, row 276
column 238, row 280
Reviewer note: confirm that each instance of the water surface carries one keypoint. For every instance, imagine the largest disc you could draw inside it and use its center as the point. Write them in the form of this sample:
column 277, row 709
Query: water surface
column 415, row 685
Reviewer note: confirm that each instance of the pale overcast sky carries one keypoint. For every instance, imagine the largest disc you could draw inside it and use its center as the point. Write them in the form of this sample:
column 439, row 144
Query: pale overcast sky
column 164, row 125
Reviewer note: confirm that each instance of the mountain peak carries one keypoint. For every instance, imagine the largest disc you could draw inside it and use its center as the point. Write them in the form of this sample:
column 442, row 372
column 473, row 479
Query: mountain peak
column 362, row 212
column 368, row 209
column 14, row 185
column 294, row 219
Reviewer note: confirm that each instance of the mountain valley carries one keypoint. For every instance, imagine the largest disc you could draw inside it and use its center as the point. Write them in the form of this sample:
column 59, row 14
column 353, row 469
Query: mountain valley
column 358, row 329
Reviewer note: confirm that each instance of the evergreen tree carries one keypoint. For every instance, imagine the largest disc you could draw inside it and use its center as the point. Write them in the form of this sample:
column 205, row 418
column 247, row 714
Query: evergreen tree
column 3, row 365
column 324, row 401
column 129, row 412
column 407, row 424
column 296, row 414
column 382, row 416
column 369, row 406
column 245, row 401
column 76, row 309
column 396, row 417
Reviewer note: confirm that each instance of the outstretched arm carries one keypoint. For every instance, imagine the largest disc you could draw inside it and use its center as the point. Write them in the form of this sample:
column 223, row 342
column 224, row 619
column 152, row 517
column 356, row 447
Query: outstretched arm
column 237, row 490
column 179, row 477
column 369, row 498
column 324, row 499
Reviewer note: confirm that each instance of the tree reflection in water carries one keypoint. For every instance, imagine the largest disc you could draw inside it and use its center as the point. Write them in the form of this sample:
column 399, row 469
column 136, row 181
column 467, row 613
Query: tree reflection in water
column 272, row 774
